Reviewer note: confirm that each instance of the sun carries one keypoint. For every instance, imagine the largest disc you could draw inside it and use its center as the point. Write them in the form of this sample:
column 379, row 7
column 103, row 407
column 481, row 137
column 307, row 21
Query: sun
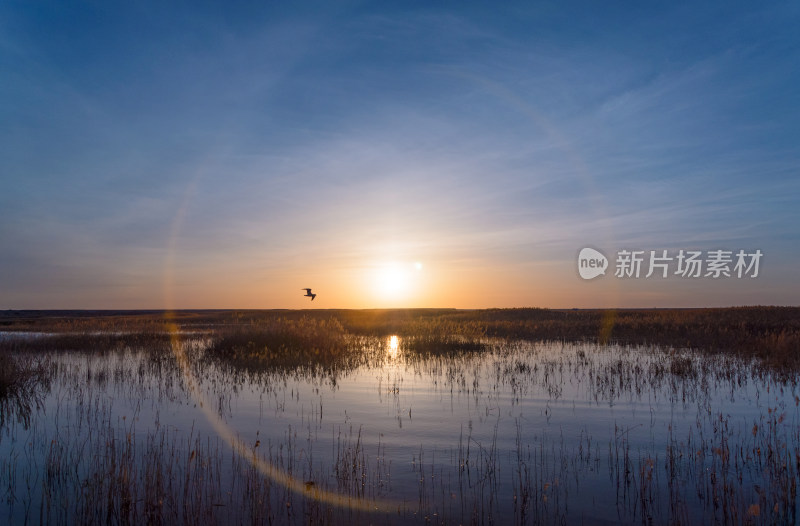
column 395, row 281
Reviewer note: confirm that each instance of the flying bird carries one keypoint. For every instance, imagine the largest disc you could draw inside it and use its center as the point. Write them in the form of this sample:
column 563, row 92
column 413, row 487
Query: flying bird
column 309, row 294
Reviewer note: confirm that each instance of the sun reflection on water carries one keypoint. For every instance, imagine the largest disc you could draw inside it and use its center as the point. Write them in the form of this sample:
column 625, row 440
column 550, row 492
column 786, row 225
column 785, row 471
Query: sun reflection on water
column 394, row 346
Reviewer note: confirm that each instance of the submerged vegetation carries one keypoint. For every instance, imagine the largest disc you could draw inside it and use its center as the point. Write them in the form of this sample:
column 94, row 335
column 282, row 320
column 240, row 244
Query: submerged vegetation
column 519, row 416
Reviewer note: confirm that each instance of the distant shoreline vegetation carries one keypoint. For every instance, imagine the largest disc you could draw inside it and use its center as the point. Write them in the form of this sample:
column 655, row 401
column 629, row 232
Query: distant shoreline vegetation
column 770, row 334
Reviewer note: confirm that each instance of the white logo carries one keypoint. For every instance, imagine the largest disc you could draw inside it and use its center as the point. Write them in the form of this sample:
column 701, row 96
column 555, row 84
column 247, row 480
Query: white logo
column 664, row 263
column 591, row 263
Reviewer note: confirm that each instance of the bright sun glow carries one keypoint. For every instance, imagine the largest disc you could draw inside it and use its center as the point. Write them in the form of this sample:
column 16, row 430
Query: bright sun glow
column 396, row 281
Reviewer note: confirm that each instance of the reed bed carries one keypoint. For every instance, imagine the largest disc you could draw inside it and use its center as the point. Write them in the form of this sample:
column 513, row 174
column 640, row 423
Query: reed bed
column 771, row 334
column 285, row 343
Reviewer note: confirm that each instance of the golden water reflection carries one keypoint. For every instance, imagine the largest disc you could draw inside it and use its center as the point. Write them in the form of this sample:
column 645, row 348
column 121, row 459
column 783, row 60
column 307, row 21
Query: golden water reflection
column 394, row 346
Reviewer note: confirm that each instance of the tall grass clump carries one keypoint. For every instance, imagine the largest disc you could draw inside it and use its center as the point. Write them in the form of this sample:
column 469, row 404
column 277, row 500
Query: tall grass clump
column 301, row 344
column 440, row 335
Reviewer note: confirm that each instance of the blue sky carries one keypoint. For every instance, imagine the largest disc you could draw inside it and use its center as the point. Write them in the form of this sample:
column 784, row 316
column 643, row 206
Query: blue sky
column 226, row 155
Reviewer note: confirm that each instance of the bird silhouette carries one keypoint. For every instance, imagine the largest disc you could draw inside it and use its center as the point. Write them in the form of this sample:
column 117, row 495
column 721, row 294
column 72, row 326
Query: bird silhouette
column 309, row 294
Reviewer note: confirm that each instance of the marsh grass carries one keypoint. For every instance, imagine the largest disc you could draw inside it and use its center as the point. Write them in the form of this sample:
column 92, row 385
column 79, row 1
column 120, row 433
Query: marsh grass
column 441, row 335
column 305, row 345
column 770, row 334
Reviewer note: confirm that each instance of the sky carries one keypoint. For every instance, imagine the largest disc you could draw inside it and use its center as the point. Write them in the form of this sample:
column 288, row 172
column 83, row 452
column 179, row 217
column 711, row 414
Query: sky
column 414, row 154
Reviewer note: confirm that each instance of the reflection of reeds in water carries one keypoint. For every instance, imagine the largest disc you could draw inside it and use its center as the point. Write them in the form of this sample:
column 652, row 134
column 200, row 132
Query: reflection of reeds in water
column 23, row 379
